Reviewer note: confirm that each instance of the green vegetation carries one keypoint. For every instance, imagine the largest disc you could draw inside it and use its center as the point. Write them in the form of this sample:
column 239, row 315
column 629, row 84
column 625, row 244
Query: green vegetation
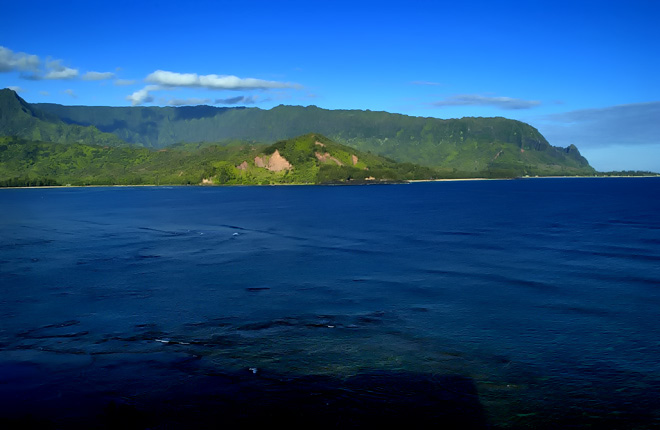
column 155, row 148
column 29, row 163
column 18, row 118
column 317, row 160
column 465, row 147
column 618, row 173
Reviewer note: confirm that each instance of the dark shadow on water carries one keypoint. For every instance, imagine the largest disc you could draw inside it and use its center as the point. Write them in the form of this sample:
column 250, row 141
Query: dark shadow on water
column 404, row 400
column 188, row 396
column 377, row 399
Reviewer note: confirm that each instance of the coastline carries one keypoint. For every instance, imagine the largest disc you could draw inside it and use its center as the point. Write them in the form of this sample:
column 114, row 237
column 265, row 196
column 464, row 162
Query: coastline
column 532, row 177
column 410, row 181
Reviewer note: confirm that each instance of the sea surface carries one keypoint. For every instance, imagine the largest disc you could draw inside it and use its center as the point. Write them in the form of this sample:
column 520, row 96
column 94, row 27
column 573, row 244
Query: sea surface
column 527, row 303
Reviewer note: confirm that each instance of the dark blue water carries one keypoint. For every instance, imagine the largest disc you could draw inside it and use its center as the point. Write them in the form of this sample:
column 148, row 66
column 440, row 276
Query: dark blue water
column 507, row 304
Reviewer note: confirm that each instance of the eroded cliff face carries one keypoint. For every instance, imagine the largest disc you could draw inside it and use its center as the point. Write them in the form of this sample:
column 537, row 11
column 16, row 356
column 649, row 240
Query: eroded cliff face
column 274, row 163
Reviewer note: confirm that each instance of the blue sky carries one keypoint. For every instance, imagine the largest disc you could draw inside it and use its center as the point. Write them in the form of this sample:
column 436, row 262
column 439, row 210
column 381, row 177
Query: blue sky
column 582, row 72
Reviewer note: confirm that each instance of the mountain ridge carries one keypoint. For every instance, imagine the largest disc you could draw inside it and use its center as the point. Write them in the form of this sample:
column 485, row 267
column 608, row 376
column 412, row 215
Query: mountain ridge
column 21, row 119
column 464, row 147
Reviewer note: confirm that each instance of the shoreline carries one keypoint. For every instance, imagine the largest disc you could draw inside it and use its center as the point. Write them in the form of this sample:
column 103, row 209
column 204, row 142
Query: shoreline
column 410, row 181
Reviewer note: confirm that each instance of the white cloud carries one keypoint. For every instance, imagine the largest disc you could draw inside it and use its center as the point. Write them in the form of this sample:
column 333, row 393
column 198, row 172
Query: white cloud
column 31, row 67
column 44, row 93
column 480, row 100
column 65, row 73
column 164, row 80
column 172, row 79
column 124, row 82
column 54, row 71
column 16, row 89
column 142, row 96
column 215, row 82
column 71, row 93
column 98, row 76
column 20, row 61
column 57, row 71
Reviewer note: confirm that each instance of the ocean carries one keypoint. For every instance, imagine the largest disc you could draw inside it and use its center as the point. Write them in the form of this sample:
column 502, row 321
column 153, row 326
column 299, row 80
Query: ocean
column 527, row 303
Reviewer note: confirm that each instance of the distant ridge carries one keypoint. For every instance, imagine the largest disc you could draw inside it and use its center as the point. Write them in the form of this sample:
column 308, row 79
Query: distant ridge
column 19, row 118
column 465, row 147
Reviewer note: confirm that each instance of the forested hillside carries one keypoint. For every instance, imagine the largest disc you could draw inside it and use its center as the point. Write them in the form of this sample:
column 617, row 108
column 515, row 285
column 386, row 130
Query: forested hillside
column 19, row 118
column 308, row 159
column 453, row 148
column 464, row 147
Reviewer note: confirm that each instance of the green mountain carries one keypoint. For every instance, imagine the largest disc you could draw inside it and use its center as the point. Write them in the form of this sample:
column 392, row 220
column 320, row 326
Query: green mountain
column 465, row 147
column 308, row 159
column 18, row 118
column 313, row 158
column 457, row 147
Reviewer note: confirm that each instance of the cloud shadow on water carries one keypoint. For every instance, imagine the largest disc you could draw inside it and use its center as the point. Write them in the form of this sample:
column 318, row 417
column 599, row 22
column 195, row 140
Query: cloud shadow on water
column 235, row 400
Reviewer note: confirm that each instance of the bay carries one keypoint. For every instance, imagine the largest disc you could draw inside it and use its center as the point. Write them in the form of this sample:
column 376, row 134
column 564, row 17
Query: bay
column 509, row 304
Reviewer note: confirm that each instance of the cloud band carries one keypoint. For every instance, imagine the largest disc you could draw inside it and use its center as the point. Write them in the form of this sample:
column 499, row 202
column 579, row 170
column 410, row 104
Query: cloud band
column 507, row 103
column 215, row 82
